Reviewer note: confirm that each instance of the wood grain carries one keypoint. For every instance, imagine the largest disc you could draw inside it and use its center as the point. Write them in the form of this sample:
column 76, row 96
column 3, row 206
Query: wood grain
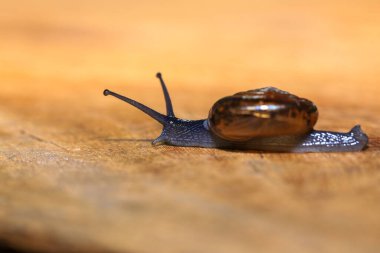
column 78, row 172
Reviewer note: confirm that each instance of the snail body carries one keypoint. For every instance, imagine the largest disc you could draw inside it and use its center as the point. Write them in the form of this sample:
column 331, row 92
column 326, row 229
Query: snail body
column 266, row 119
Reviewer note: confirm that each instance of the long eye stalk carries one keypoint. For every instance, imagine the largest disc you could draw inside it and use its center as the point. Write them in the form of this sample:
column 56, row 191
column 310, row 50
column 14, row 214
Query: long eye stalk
column 154, row 114
column 169, row 106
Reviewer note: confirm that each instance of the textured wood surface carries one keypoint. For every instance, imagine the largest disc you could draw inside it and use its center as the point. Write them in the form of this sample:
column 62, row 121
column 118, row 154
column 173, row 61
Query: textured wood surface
column 78, row 172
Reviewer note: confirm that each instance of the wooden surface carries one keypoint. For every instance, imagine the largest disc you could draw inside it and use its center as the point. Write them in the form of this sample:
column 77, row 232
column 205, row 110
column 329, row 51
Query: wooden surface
column 78, row 172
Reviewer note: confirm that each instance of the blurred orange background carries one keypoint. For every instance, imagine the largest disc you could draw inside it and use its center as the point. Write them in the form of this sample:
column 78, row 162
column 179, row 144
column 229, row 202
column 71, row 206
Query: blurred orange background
column 66, row 147
column 328, row 45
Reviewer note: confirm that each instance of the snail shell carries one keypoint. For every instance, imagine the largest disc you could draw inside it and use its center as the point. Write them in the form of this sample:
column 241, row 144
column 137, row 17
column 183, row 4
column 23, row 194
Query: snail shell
column 261, row 113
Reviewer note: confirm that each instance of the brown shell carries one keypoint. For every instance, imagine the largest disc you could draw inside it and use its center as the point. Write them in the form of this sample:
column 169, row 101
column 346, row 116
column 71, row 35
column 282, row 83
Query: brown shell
column 262, row 113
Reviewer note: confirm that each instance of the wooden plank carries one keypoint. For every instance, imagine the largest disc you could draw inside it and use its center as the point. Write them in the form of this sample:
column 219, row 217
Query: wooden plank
column 78, row 172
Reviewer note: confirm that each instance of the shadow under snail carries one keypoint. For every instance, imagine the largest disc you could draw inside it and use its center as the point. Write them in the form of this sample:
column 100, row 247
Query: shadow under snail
column 266, row 119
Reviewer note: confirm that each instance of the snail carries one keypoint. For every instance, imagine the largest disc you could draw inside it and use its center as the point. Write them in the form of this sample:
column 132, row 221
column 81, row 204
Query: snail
column 265, row 119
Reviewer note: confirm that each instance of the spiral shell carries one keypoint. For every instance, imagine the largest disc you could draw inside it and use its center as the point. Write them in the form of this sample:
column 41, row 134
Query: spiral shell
column 261, row 113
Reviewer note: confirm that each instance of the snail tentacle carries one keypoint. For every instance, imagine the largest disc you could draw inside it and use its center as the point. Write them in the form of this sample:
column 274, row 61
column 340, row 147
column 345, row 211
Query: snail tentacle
column 168, row 102
column 149, row 111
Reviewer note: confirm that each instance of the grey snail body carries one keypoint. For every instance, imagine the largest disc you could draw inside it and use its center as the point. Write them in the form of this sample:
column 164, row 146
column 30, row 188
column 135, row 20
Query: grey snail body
column 266, row 119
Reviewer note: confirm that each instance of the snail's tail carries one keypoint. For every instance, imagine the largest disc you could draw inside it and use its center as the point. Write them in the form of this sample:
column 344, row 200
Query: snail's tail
column 359, row 135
